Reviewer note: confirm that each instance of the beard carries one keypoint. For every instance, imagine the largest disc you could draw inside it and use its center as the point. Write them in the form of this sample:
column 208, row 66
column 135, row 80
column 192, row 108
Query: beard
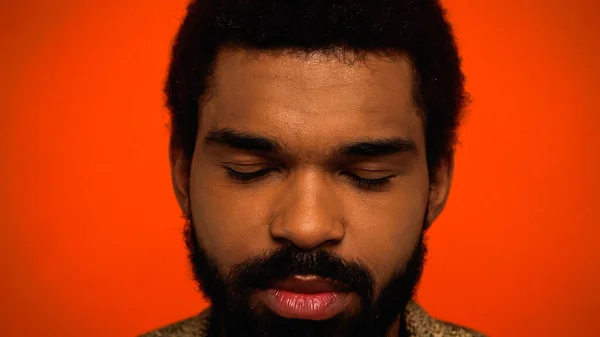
column 235, row 314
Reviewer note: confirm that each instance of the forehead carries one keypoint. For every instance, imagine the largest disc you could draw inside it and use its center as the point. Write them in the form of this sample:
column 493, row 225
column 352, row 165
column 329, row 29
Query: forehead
column 312, row 95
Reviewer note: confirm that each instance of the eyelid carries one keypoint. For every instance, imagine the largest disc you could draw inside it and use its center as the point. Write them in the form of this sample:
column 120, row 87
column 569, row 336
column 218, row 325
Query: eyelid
column 248, row 177
column 357, row 175
column 370, row 183
column 370, row 168
column 238, row 163
column 247, row 166
column 358, row 171
column 370, row 171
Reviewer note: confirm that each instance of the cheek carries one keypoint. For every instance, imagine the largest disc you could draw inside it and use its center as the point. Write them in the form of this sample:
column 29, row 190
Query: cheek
column 383, row 232
column 231, row 227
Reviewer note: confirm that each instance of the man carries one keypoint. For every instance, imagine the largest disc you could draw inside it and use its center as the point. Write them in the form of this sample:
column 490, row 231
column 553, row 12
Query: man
column 311, row 149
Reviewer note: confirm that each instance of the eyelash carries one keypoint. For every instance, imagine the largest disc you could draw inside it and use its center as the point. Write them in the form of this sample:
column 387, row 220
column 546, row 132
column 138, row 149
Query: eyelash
column 370, row 183
column 361, row 182
column 247, row 177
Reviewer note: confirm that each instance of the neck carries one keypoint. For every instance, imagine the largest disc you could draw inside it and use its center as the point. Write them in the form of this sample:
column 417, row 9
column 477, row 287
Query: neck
column 399, row 327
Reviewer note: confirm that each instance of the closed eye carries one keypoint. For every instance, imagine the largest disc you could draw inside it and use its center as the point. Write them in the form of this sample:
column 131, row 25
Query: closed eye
column 366, row 183
column 248, row 176
column 370, row 183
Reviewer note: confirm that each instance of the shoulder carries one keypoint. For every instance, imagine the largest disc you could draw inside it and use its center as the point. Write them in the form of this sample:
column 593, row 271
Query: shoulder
column 196, row 326
column 420, row 324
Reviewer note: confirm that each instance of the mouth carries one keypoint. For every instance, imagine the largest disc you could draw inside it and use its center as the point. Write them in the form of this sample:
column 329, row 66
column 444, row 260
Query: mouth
column 306, row 297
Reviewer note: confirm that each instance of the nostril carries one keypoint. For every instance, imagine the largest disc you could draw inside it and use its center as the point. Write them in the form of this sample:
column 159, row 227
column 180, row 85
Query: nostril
column 332, row 242
column 282, row 241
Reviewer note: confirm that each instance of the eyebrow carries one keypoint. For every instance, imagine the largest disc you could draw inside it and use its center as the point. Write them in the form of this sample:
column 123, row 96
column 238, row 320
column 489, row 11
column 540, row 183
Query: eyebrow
column 376, row 148
column 256, row 143
column 242, row 141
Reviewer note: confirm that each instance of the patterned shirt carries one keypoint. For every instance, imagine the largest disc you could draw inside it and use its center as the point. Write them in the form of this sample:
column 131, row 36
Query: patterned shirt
column 418, row 322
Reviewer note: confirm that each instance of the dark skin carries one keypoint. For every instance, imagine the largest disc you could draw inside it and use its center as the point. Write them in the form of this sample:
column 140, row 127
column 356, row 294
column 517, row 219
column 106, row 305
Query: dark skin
column 314, row 152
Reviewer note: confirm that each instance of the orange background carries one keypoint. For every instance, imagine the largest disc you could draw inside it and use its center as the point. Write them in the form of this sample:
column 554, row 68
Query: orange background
column 90, row 241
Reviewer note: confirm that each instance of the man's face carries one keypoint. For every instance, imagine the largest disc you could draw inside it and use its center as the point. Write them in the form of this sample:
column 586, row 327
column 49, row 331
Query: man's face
column 308, row 189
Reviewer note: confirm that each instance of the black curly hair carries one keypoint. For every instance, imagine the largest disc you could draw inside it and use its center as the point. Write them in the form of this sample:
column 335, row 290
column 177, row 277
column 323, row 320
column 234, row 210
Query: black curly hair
column 418, row 28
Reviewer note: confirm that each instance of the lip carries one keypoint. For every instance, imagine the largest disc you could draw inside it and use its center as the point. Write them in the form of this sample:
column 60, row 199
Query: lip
column 306, row 297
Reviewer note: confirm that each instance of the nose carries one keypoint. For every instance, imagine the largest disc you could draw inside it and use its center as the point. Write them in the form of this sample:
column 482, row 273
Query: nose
column 308, row 213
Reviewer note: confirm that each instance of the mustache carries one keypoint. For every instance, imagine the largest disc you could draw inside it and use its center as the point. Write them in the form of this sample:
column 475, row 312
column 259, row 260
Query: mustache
column 260, row 272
